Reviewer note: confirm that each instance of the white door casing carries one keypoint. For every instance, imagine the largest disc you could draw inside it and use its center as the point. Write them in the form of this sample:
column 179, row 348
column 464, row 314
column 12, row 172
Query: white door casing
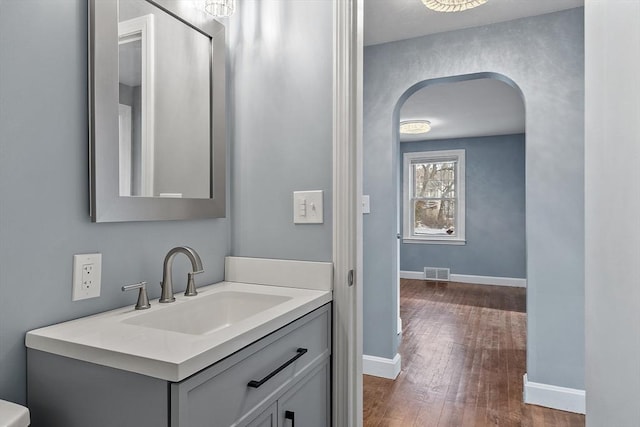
column 347, row 213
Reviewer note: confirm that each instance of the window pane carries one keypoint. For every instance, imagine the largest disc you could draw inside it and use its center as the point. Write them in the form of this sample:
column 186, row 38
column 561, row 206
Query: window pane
column 434, row 179
column 434, row 217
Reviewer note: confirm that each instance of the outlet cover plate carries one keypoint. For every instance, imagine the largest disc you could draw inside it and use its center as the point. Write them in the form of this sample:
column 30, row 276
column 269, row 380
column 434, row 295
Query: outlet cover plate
column 87, row 274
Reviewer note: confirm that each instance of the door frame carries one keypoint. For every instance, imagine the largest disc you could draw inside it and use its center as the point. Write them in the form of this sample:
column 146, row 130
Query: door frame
column 347, row 212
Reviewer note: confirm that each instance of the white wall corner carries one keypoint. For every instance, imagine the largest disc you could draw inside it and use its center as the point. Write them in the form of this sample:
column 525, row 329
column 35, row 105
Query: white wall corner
column 381, row 367
column 551, row 396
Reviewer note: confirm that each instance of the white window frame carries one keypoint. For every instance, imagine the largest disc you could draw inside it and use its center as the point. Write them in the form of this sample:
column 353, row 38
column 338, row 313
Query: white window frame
column 408, row 235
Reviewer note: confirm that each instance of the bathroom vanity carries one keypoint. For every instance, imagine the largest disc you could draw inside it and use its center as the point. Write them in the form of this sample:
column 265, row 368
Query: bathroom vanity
column 237, row 354
column 70, row 392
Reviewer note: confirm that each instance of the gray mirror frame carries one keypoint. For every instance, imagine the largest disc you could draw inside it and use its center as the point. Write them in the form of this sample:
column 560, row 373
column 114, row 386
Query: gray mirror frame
column 106, row 205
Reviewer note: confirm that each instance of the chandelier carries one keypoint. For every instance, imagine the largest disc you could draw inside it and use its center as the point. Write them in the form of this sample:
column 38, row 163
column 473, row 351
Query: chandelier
column 452, row 5
column 220, row 8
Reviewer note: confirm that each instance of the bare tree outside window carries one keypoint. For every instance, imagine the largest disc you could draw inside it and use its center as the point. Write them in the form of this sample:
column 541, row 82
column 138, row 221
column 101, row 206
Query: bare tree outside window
column 433, row 197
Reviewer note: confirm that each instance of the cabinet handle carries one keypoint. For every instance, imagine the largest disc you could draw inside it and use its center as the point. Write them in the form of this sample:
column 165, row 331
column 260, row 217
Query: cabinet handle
column 256, row 384
column 290, row 415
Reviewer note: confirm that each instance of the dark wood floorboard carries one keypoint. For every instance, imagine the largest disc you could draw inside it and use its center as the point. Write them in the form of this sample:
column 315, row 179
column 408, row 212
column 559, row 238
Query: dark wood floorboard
column 463, row 356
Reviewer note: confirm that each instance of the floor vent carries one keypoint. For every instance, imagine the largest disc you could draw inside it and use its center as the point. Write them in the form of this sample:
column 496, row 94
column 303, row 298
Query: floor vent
column 437, row 274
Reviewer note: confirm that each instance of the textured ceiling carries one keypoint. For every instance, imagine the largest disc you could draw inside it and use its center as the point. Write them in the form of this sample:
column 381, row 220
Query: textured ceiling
column 456, row 110
column 470, row 108
column 391, row 20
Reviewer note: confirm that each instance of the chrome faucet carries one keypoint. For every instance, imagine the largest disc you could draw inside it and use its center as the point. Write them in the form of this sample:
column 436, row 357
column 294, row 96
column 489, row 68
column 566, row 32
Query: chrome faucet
column 167, row 284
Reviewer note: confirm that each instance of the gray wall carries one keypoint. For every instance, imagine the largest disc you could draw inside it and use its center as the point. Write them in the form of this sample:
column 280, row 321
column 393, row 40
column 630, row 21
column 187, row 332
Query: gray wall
column 280, row 100
column 494, row 200
column 44, row 207
column 281, row 72
column 612, row 212
column 544, row 56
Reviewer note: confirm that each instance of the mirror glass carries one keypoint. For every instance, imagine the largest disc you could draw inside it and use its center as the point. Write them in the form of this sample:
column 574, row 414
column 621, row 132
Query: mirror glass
column 157, row 119
column 164, row 135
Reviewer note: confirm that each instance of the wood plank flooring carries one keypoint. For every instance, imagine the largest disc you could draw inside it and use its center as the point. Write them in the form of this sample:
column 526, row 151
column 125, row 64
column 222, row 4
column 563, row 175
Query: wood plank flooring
column 463, row 357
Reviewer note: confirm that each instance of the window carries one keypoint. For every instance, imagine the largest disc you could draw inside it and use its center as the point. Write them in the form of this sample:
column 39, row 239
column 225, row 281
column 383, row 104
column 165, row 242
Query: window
column 433, row 203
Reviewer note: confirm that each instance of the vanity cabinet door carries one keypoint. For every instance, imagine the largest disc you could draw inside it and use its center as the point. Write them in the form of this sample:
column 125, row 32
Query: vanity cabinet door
column 266, row 419
column 222, row 395
column 306, row 404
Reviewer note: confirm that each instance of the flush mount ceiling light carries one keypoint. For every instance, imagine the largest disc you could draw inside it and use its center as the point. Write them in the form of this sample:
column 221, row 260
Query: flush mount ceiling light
column 414, row 127
column 220, row 8
column 452, row 5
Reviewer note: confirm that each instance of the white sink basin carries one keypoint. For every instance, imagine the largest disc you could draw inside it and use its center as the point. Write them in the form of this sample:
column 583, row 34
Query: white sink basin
column 208, row 313
column 173, row 341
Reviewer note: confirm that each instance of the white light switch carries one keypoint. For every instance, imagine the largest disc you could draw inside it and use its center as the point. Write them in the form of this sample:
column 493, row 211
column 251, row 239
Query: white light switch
column 307, row 207
column 366, row 205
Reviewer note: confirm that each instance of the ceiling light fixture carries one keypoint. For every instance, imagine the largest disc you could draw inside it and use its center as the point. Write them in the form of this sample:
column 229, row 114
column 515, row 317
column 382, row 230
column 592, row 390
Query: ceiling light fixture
column 220, row 8
column 452, row 5
column 415, row 127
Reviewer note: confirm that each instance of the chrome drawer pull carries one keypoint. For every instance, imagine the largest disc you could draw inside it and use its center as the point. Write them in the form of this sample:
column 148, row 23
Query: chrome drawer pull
column 256, row 384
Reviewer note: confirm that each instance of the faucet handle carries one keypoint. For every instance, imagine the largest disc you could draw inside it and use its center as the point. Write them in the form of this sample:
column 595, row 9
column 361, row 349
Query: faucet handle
column 143, row 299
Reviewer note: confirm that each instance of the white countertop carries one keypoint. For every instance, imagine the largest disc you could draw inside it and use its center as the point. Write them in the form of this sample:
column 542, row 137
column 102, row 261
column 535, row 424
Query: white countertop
column 106, row 340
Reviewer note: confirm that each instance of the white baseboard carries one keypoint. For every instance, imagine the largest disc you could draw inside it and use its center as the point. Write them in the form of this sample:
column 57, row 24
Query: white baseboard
column 488, row 280
column 381, row 367
column 551, row 396
column 467, row 278
column 417, row 275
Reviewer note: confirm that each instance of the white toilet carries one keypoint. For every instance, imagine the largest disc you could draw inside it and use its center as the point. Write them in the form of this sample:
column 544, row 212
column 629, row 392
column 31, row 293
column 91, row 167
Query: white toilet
column 13, row 415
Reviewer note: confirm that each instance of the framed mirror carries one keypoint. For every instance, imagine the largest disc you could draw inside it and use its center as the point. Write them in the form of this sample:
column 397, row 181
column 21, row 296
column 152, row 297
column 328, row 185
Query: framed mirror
column 156, row 111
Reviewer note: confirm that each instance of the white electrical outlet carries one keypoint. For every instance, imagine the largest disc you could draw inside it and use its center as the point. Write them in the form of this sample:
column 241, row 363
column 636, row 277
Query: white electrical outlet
column 87, row 271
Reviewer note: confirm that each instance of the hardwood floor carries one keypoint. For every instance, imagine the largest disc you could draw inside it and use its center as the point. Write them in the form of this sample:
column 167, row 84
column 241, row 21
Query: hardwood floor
column 463, row 357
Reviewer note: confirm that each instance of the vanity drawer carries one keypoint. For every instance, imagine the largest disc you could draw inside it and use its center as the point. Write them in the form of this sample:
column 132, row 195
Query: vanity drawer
column 221, row 396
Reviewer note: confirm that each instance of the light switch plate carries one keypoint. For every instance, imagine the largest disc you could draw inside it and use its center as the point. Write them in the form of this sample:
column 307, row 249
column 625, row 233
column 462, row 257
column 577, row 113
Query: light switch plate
column 366, row 205
column 87, row 273
column 308, row 207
